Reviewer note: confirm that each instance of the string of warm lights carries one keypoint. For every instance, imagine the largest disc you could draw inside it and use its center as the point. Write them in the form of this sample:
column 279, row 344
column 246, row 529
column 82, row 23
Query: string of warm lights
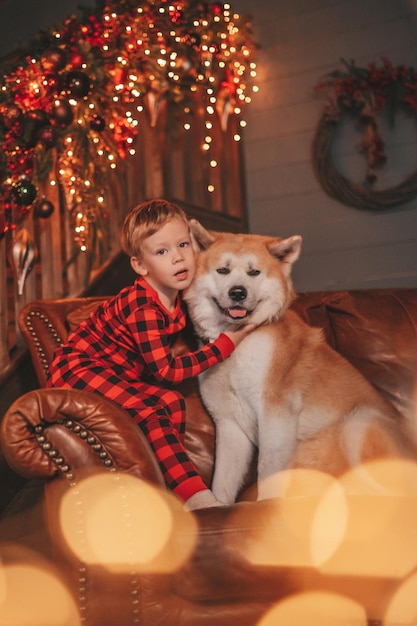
column 82, row 91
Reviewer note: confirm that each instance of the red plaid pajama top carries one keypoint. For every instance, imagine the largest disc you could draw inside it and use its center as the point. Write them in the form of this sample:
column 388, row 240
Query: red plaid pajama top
column 123, row 352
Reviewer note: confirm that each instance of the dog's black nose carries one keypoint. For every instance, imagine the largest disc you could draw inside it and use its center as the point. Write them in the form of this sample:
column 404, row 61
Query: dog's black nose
column 237, row 293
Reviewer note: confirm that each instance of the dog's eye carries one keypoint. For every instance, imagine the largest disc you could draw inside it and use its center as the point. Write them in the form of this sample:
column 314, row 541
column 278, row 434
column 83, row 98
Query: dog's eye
column 254, row 272
column 223, row 270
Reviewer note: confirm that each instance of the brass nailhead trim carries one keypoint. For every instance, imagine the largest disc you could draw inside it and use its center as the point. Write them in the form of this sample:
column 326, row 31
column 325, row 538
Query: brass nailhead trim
column 78, row 430
column 52, row 331
column 65, row 470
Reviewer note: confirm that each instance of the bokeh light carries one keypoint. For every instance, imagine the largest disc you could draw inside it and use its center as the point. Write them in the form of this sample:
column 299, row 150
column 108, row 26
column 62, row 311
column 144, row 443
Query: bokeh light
column 317, row 608
column 31, row 594
column 121, row 522
column 284, row 535
column 361, row 524
column 380, row 538
column 402, row 608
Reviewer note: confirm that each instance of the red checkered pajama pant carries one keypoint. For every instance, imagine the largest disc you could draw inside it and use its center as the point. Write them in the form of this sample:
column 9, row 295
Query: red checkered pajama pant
column 159, row 412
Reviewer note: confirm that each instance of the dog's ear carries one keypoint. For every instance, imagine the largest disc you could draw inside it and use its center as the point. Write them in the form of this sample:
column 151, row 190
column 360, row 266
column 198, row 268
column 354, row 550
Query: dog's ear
column 201, row 238
column 286, row 250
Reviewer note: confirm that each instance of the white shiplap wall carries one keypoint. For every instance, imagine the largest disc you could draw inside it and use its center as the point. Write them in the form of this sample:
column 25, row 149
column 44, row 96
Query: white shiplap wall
column 301, row 41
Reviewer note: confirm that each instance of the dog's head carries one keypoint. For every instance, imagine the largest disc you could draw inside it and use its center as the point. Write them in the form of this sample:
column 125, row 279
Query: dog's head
column 239, row 279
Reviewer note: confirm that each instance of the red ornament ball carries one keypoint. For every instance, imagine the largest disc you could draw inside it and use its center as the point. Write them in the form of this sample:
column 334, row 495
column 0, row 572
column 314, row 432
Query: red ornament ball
column 11, row 114
column 25, row 163
column 217, row 8
column 53, row 60
column 47, row 136
column 63, row 114
column 76, row 60
column 43, row 209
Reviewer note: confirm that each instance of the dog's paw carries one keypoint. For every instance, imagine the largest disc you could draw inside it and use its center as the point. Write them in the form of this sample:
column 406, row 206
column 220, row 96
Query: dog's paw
column 202, row 500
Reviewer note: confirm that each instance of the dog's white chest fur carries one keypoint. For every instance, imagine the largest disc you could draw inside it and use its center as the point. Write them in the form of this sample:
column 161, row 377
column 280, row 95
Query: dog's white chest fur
column 234, row 389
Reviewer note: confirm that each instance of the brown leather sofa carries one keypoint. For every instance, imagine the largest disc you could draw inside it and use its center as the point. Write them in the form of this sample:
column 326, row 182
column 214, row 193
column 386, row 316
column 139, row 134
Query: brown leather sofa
column 243, row 562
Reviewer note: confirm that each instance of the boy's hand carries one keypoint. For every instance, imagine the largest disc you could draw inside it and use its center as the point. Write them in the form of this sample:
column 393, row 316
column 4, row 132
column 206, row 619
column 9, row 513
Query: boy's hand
column 240, row 333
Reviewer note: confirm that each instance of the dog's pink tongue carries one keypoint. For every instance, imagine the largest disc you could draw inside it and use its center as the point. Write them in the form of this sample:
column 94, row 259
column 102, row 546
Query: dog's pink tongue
column 237, row 313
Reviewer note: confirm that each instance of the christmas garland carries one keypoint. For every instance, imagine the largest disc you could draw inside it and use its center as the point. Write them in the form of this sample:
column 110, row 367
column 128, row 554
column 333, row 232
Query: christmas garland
column 80, row 88
column 362, row 93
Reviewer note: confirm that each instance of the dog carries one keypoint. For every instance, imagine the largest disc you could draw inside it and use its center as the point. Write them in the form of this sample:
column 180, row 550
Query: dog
column 283, row 391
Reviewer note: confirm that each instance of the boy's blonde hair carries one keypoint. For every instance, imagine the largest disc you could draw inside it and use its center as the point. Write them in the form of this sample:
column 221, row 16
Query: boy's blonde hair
column 146, row 219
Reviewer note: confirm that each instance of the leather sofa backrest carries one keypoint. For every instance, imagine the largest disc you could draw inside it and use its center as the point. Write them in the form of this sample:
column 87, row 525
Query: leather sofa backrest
column 45, row 325
column 376, row 330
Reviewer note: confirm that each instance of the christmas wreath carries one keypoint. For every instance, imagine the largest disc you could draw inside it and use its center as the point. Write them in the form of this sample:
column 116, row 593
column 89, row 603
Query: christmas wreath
column 362, row 93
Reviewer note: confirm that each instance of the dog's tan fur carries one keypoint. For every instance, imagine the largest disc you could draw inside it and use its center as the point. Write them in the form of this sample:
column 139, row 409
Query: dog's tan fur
column 283, row 390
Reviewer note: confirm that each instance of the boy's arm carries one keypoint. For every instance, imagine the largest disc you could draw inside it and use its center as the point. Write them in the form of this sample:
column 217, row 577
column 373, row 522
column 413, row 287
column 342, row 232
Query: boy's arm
column 153, row 344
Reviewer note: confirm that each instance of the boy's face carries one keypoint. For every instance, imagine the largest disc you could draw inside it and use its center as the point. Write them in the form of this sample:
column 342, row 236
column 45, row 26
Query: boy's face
column 167, row 258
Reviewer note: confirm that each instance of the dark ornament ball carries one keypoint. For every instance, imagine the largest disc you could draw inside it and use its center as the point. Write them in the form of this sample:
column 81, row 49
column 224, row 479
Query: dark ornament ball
column 53, row 60
column 195, row 39
column 63, row 114
column 97, row 123
column 78, row 84
column 37, row 117
column 44, row 208
column 47, row 136
column 33, row 121
column 3, row 224
column 24, row 193
column 53, row 83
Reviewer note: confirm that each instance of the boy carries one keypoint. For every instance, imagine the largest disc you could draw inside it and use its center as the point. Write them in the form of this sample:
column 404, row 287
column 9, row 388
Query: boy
column 123, row 350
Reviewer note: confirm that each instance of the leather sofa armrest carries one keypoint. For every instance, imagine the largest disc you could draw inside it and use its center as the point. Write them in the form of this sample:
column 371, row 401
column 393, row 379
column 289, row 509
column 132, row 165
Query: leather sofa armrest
column 51, row 432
